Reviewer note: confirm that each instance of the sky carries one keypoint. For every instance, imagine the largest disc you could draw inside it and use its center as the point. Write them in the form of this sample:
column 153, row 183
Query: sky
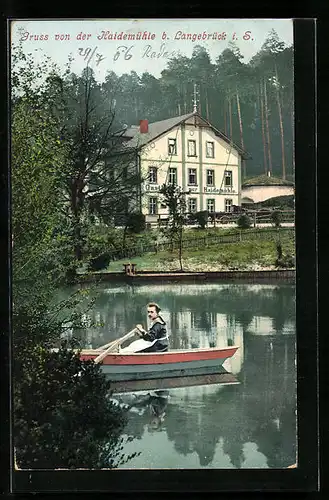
column 162, row 39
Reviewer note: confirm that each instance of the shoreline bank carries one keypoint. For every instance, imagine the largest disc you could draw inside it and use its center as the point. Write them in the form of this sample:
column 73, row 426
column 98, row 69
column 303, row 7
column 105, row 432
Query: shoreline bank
column 262, row 276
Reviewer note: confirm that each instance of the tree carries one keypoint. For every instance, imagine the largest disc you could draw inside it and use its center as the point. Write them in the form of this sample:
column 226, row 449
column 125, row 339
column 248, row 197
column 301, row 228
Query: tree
column 262, row 119
column 201, row 218
column 231, row 95
column 274, row 63
column 272, row 47
column 37, row 157
column 63, row 415
column 100, row 174
column 244, row 222
column 267, row 127
column 151, row 97
column 202, row 74
column 236, row 83
column 177, row 85
column 175, row 200
column 51, row 390
column 276, row 218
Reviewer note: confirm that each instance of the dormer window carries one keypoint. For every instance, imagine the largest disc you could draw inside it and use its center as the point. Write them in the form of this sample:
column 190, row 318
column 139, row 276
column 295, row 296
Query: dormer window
column 172, row 147
column 210, row 149
column 191, row 148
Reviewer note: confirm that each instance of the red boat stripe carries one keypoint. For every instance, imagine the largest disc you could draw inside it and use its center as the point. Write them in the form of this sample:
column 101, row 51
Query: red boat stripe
column 162, row 358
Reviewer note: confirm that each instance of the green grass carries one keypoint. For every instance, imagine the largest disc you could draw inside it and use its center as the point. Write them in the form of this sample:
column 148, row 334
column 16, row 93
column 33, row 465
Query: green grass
column 228, row 256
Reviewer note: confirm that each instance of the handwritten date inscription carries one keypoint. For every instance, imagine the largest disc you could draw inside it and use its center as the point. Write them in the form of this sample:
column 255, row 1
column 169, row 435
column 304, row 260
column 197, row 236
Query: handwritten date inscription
column 87, row 54
column 148, row 52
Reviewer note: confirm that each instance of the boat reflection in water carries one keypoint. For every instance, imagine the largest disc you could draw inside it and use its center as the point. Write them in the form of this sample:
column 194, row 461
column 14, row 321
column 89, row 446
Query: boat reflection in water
column 145, row 399
column 242, row 420
column 250, row 424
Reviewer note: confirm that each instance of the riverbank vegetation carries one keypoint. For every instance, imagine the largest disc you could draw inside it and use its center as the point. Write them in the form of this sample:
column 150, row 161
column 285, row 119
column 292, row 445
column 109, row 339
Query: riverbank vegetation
column 245, row 255
column 197, row 250
column 69, row 182
column 61, row 415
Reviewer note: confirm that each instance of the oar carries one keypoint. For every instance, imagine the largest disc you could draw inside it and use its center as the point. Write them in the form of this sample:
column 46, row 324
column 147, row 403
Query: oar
column 105, row 346
column 114, row 345
column 102, row 347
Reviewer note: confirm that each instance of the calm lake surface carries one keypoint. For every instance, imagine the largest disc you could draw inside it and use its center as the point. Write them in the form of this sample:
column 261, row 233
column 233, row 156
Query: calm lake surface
column 251, row 424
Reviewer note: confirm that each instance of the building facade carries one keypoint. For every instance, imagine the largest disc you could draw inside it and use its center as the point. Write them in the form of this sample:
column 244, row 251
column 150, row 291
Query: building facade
column 189, row 152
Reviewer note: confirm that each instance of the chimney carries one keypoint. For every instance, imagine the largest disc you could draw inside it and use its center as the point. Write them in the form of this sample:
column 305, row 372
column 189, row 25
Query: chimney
column 143, row 126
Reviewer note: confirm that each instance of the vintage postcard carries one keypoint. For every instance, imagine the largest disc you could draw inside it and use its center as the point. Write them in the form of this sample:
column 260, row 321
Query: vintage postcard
column 153, row 244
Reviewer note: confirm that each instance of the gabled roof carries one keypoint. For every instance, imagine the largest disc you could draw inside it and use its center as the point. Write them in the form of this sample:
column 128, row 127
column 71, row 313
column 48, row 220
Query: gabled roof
column 156, row 129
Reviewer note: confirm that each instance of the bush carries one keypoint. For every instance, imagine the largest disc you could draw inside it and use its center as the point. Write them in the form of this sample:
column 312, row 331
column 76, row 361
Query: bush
column 99, row 262
column 283, row 261
column 286, row 261
column 101, row 242
column 276, row 218
column 244, row 222
column 283, row 202
column 200, row 218
column 136, row 222
column 63, row 417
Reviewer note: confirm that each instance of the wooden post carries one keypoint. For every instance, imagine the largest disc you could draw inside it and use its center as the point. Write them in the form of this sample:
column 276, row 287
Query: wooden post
column 126, row 269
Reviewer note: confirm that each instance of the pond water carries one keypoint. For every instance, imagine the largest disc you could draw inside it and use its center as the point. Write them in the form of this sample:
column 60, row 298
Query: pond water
column 250, row 424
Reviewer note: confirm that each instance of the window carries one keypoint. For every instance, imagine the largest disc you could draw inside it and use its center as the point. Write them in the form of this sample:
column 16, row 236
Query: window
column 211, row 205
column 192, row 176
column 153, row 175
column 172, row 175
column 228, row 178
column 172, row 147
column 191, row 148
column 153, row 206
column 210, row 177
column 192, row 205
column 210, row 149
column 228, row 205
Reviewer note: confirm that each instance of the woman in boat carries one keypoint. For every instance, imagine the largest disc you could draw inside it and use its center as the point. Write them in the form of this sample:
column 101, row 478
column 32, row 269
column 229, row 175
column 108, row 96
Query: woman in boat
column 155, row 339
column 157, row 333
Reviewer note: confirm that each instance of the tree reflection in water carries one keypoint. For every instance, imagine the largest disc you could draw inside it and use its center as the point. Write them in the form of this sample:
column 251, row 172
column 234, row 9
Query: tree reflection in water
column 230, row 425
column 258, row 411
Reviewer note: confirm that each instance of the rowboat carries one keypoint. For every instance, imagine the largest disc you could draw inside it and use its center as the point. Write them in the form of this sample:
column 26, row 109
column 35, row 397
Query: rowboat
column 159, row 365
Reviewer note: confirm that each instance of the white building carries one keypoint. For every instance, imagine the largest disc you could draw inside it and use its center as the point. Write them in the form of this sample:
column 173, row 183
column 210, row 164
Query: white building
column 264, row 187
column 188, row 151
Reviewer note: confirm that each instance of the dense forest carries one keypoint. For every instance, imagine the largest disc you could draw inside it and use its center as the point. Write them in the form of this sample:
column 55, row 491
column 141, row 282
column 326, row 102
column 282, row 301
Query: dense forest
column 252, row 103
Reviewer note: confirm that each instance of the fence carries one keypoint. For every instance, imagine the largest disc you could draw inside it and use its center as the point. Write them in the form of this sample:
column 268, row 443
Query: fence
column 271, row 234
column 263, row 216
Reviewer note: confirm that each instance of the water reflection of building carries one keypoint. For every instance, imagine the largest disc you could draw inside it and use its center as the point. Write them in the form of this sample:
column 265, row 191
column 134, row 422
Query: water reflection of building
column 264, row 325
column 247, row 425
column 258, row 318
column 197, row 314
